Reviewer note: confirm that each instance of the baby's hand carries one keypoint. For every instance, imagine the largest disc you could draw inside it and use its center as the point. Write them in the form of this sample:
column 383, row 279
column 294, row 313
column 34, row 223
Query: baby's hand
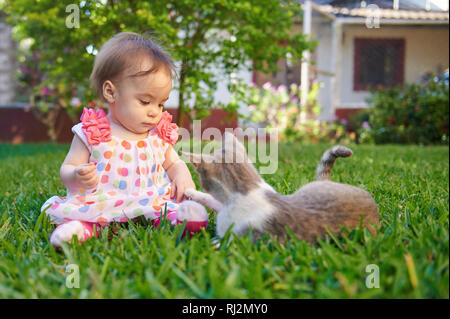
column 179, row 185
column 85, row 175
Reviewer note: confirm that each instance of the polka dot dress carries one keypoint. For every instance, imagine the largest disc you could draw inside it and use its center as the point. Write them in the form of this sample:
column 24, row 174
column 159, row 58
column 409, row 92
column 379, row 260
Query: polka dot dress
column 132, row 182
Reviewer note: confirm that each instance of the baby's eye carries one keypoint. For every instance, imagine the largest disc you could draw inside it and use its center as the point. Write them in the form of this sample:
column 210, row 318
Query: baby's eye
column 144, row 102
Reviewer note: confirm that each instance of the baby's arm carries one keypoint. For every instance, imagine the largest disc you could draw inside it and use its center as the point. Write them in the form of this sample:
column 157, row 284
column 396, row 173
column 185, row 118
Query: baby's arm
column 178, row 173
column 76, row 172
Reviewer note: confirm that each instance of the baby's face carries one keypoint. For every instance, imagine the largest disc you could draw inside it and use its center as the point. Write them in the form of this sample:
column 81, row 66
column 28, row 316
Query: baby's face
column 140, row 100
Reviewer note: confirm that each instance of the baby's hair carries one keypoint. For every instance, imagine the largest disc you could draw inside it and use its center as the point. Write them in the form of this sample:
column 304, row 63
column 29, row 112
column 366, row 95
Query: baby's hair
column 122, row 51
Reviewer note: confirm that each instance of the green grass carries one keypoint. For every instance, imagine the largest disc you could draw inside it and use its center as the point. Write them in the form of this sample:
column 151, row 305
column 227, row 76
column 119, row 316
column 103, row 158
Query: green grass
column 409, row 183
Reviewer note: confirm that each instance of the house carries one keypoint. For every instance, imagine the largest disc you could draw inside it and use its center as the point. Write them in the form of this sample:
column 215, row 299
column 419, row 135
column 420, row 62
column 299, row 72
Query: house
column 361, row 44
column 364, row 44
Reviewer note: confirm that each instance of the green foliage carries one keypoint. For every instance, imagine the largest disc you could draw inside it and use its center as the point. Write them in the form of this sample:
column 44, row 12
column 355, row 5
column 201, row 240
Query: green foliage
column 409, row 183
column 198, row 34
column 279, row 107
column 413, row 114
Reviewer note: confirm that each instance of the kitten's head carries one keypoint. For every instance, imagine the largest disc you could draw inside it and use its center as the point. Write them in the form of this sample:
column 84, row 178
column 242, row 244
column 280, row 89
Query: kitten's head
column 227, row 171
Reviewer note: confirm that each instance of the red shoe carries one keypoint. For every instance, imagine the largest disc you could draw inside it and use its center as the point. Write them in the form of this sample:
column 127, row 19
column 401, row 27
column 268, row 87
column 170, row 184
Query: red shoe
column 193, row 227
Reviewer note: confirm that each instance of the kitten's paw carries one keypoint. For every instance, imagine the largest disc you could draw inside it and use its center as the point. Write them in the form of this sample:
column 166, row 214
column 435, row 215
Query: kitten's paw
column 191, row 211
column 65, row 232
column 190, row 193
column 196, row 196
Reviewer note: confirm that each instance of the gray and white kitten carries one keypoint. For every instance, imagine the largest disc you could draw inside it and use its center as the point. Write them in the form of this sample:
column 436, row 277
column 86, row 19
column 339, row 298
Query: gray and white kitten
column 241, row 197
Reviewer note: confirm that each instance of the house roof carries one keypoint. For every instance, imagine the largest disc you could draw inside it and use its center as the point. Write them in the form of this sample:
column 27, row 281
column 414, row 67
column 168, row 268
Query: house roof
column 407, row 10
column 415, row 5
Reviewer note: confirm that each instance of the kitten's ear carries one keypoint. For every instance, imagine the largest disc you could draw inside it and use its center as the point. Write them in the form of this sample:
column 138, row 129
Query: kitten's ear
column 230, row 146
column 197, row 159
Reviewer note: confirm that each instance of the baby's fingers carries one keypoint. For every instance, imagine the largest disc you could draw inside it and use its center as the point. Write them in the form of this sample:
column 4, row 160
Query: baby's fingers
column 85, row 169
column 173, row 190
column 180, row 193
column 92, row 182
column 87, row 177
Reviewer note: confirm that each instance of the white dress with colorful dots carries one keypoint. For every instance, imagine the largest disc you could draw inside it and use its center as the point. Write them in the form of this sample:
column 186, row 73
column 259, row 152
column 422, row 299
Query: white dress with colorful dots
column 132, row 182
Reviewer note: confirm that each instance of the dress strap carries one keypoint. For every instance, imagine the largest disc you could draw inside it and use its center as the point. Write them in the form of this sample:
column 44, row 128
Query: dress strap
column 78, row 131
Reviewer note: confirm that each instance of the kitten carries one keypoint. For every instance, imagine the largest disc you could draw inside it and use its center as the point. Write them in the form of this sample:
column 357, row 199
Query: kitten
column 240, row 196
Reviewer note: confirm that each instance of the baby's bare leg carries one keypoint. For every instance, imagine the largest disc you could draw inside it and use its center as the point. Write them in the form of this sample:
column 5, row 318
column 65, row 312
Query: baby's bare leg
column 204, row 199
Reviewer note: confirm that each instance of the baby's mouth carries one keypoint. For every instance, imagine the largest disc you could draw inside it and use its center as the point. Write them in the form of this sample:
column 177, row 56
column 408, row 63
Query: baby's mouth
column 151, row 124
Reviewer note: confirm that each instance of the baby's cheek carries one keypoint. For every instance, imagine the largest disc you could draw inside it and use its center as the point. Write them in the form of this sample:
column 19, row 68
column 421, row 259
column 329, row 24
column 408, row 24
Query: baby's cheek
column 158, row 117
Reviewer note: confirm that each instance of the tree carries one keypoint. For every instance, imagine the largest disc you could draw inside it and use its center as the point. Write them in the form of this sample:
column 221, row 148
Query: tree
column 197, row 33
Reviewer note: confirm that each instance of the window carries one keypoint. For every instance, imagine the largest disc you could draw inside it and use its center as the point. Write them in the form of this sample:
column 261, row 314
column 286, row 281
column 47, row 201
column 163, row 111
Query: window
column 378, row 62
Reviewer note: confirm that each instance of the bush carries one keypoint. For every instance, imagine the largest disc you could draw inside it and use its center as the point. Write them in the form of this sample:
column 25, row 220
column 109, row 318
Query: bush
column 413, row 114
column 279, row 107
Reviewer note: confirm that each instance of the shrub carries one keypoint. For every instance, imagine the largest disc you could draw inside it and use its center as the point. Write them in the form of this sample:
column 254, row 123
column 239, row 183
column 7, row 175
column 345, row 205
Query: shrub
column 279, row 107
column 414, row 114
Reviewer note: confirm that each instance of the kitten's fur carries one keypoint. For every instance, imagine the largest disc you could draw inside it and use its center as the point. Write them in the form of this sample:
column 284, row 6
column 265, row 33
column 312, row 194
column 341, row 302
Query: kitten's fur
column 240, row 196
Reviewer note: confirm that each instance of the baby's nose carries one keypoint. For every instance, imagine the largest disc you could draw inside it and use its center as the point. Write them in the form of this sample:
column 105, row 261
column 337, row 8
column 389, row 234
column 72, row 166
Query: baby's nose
column 153, row 113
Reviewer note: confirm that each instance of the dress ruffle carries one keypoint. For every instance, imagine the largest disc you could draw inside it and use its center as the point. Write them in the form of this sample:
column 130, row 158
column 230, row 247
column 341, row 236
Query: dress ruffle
column 95, row 126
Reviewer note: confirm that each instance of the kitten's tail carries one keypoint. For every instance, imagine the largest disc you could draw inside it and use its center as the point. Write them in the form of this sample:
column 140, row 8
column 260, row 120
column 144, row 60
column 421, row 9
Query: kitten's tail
column 327, row 161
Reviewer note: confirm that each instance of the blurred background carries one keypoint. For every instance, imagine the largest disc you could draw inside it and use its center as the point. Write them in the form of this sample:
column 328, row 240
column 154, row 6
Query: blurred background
column 321, row 70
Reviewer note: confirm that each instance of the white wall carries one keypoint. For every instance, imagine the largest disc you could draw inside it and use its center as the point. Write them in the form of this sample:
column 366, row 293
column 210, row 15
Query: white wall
column 7, row 65
column 426, row 48
column 221, row 94
column 321, row 31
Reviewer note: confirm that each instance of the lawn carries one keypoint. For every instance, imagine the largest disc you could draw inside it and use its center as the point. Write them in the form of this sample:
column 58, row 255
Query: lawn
column 409, row 183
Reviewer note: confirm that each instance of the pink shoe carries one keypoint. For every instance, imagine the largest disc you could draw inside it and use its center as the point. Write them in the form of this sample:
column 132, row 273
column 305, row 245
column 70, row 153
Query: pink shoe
column 194, row 214
column 193, row 227
column 65, row 231
column 171, row 216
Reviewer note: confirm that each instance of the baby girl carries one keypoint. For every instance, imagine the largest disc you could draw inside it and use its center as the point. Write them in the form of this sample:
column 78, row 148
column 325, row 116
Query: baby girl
column 122, row 165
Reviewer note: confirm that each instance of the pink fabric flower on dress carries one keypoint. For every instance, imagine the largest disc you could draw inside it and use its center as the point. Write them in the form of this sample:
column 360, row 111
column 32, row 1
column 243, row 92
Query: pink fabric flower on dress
column 167, row 130
column 95, row 126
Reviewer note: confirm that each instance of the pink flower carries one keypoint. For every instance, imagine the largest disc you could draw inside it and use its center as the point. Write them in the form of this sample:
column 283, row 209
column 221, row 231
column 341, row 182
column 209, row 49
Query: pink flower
column 167, row 130
column 267, row 86
column 95, row 126
column 281, row 88
column 46, row 91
